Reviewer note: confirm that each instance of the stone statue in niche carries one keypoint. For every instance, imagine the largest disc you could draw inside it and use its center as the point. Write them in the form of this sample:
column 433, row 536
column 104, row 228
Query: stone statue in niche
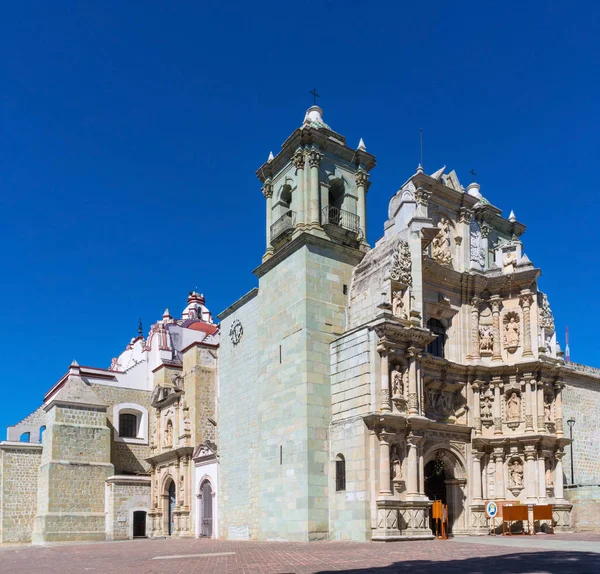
column 398, row 309
column 486, row 406
column 509, row 260
column 512, row 331
column 447, row 402
column 397, row 386
column 401, row 264
column 486, row 337
column 548, row 409
column 513, row 407
column 441, row 243
column 396, row 463
column 515, row 473
column 431, row 398
column 181, row 483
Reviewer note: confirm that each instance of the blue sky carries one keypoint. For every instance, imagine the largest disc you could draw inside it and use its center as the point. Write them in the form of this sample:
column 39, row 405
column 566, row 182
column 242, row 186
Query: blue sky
column 131, row 132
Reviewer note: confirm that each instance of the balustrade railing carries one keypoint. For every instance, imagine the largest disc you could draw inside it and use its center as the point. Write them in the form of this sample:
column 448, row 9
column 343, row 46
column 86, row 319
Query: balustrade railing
column 344, row 219
column 284, row 224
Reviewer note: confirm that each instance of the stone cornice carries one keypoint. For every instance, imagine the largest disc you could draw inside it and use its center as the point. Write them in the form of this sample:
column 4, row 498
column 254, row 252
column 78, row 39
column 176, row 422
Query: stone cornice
column 239, row 303
column 353, row 256
column 173, row 454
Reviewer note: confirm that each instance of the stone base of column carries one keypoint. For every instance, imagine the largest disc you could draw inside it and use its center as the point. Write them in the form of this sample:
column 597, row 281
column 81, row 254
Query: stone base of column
column 478, row 524
column 402, row 520
column 561, row 512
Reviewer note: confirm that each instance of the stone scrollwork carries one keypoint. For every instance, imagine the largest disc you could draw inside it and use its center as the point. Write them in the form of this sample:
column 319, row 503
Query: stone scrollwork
column 314, row 158
column 361, row 178
column 298, row 159
column 402, row 264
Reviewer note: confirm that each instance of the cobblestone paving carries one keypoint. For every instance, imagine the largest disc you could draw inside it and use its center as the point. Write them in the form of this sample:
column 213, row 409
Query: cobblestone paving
column 542, row 554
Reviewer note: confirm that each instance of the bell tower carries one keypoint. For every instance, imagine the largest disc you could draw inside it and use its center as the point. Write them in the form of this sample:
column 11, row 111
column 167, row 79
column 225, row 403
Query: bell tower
column 318, row 185
column 276, row 359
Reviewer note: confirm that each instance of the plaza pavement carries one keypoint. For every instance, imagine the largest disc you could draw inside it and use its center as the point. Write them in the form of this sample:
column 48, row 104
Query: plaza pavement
column 575, row 553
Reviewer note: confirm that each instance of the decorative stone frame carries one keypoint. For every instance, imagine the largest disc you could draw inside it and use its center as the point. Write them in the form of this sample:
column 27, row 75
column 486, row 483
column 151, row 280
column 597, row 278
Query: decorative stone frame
column 142, row 422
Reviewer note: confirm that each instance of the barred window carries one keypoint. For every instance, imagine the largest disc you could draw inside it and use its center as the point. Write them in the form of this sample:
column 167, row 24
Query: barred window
column 340, row 473
column 128, row 425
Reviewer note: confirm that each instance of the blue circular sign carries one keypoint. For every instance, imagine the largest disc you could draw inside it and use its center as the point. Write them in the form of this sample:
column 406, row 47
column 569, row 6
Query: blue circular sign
column 491, row 509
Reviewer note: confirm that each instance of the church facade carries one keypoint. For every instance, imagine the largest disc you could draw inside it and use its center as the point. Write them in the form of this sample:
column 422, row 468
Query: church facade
column 120, row 452
column 351, row 388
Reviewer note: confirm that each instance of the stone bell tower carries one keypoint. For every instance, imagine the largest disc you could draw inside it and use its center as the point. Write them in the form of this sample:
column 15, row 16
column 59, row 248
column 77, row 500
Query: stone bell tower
column 316, row 184
column 315, row 190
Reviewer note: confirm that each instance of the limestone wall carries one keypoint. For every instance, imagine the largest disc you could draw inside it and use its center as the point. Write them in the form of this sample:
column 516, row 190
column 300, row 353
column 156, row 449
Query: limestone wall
column 351, row 382
column 125, row 495
column 126, row 457
column 581, row 401
column 238, row 426
column 18, row 491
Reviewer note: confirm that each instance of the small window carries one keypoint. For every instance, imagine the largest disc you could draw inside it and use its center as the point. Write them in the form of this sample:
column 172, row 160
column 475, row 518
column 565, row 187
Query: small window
column 436, row 347
column 25, row 437
column 42, row 429
column 340, row 473
column 127, row 425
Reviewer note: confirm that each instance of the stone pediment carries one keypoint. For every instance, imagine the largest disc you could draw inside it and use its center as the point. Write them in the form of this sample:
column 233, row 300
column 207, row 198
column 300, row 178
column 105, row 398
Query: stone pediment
column 205, row 451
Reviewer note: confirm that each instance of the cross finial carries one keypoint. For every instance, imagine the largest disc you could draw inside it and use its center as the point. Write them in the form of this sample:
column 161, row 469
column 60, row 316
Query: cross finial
column 473, row 174
column 314, row 95
column 140, row 327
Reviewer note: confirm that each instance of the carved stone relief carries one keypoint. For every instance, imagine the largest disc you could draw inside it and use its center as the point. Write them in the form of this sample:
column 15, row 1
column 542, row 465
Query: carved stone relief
column 546, row 316
column 398, row 306
column 477, row 254
column 401, row 264
column 509, row 260
column 512, row 331
column 486, row 402
column 513, row 406
column 441, row 244
column 515, row 473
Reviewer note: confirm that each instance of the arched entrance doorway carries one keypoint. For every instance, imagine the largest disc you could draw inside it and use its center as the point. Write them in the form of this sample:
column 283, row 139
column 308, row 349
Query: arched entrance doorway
column 206, row 509
column 445, row 480
column 139, row 524
column 171, row 508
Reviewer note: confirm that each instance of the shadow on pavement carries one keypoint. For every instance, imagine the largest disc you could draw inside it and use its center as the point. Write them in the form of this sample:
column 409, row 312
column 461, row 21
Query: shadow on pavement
column 518, row 563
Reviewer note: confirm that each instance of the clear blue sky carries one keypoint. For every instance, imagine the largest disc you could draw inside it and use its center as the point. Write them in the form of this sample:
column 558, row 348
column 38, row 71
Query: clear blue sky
column 131, row 132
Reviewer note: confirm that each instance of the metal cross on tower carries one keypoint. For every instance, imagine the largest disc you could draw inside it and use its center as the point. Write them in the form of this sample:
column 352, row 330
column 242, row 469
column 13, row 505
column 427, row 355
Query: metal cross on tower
column 315, row 96
column 473, row 174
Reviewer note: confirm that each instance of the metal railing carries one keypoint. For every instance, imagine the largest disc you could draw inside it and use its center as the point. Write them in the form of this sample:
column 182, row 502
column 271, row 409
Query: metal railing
column 285, row 223
column 344, row 219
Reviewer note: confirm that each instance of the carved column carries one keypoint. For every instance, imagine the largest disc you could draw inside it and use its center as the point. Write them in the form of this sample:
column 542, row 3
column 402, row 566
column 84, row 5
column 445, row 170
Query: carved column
column 558, row 475
column 541, row 471
column 530, row 471
column 476, row 407
column 314, row 160
column 529, row 382
column 412, row 472
column 485, row 234
column 298, row 161
column 541, row 426
column 385, row 405
column 475, row 352
column 477, row 492
column 558, row 414
column 499, row 461
column 384, row 463
column 496, row 351
column 361, row 191
column 498, row 384
column 413, row 402
column 526, row 299
column 268, row 193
